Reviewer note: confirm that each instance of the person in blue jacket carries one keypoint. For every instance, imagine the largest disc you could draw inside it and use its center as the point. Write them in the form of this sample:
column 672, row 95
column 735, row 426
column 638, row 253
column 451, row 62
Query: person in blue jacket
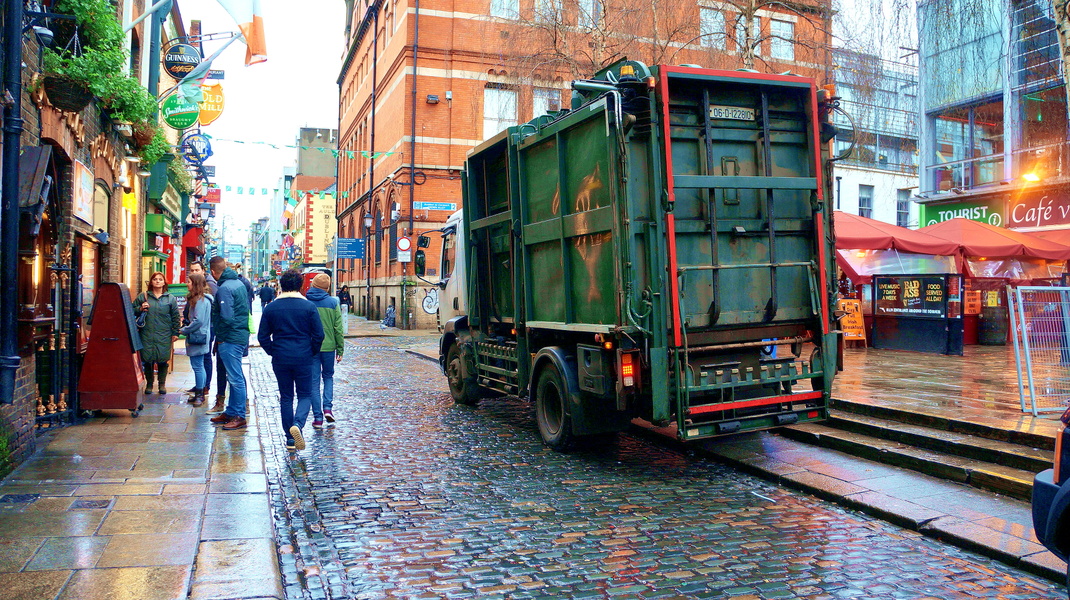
column 330, row 352
column 198, row 333
column 291, row 333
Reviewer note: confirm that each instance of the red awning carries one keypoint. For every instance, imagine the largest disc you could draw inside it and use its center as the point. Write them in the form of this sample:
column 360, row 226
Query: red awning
column 859, row 233
column 984, row 240
column 1059, row 236
column 194, row 241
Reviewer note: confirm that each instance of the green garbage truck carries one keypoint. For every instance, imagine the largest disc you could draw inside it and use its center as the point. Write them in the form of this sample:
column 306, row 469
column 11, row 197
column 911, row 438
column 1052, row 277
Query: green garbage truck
column 661, row 250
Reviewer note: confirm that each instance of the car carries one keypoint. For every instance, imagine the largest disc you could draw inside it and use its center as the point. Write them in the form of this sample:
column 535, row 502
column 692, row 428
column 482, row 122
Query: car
column 1051, row 499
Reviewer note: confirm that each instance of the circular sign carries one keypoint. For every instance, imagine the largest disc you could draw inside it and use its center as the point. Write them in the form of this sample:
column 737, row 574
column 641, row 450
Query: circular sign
column 196, row 148
column 179, row 113
column 180, row 59
column 404, row 244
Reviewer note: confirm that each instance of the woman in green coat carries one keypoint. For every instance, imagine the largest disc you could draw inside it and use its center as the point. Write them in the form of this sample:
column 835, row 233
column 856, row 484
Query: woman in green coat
column 160, row 330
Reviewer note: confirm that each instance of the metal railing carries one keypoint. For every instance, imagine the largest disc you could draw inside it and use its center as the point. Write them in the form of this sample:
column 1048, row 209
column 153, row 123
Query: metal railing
column 1040, row 327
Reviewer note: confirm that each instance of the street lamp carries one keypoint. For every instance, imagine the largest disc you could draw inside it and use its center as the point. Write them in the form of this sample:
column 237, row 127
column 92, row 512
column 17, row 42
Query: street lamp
column 368, row 222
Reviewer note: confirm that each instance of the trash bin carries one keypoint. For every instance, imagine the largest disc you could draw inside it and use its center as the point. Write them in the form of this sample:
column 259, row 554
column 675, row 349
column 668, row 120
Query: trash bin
column 992, row 329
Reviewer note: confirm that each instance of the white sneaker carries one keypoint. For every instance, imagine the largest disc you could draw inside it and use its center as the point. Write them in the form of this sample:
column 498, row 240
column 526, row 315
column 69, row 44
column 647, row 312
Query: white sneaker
column 299, row 440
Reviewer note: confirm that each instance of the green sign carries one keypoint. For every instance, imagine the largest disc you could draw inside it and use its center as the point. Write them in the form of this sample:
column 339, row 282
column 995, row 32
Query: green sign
column 986, row 211
column 179, row 113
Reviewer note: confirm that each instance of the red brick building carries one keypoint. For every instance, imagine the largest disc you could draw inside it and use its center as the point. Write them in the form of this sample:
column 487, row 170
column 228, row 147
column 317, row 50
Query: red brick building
column 424, row 82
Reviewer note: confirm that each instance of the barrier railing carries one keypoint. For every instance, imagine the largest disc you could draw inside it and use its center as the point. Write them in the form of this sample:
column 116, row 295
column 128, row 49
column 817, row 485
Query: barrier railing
column 1040, row 327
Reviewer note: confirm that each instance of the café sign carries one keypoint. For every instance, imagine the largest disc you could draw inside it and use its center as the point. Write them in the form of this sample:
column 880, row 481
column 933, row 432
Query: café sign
column 180, row 59
column 1038, row 208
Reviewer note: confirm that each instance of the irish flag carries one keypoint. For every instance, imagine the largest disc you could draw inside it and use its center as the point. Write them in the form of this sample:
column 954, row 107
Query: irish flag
column 250, row 20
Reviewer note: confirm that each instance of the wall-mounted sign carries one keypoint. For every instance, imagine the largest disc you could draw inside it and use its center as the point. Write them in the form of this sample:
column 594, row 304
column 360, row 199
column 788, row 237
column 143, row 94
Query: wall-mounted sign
column 213, row 195
column 196, row 148
column 350, row 248
column 986, row 211
column 212, row 107
column 215, row 73
column 82, row 192
column 180, row 59
column 451, row 206
column 1037, row 208
column 178, row 112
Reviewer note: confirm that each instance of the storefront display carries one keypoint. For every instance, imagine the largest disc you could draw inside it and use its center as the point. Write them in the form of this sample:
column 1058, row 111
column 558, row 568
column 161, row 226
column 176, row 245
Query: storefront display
column 918, row 312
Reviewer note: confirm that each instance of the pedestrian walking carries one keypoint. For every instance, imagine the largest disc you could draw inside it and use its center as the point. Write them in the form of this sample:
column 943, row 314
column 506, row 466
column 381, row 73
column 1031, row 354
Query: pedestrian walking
column 345, row 302
column 197, row 268
column 267, row 294
column 230, row 320
column 198, row 333
column 291, row 333
column 330, row 351
column 158, row 325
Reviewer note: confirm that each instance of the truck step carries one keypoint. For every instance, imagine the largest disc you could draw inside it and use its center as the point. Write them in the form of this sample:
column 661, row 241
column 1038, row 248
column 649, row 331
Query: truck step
column 1017, row 483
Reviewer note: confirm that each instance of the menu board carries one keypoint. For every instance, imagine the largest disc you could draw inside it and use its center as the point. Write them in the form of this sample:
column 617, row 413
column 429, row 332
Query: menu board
column 910, row 295
column 852, row 324
column 973, row 302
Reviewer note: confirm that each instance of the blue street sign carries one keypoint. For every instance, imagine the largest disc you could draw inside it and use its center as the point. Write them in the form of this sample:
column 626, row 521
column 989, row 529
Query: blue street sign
column 451, row 206
column 351, row 248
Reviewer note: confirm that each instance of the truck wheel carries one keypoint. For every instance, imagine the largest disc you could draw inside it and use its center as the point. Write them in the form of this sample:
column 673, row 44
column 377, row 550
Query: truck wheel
column 551, row 409
column 463, row 389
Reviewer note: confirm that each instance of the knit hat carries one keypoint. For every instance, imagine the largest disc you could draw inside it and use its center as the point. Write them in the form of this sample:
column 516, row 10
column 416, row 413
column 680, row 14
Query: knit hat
column 322, row 281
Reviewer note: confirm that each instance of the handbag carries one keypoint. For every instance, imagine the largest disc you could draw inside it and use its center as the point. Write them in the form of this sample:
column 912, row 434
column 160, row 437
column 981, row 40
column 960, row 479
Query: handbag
column 142, row 315
column 197, row 339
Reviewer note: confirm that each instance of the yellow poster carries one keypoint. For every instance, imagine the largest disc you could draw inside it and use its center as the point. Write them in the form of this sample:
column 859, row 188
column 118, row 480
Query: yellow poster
column 212, row 107
column 852, row 324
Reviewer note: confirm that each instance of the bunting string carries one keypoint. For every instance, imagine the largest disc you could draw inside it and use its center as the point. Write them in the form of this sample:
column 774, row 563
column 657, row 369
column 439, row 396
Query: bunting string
column 350, row 154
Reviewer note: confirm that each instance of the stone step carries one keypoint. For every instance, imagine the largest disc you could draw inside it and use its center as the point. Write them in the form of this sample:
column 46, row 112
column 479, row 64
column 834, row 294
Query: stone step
column 1016, row 483
column 993, row 426
column 964, row 445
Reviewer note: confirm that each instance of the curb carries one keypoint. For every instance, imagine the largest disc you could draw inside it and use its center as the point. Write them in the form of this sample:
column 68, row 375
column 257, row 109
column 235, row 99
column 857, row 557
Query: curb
column 945, row 528
column 419, row 354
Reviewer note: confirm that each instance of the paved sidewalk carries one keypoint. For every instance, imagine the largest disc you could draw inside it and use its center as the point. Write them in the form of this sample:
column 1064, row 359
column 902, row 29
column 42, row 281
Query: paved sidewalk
column 161, row 506
column 996, row 526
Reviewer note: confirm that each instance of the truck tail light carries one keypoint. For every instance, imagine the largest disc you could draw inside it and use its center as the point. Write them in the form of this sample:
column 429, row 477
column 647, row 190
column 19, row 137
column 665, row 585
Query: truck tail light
column 628, row 369
column 1057, row 466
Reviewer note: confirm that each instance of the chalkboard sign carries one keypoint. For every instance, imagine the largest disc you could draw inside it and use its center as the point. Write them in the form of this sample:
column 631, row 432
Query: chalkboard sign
column 911, row 295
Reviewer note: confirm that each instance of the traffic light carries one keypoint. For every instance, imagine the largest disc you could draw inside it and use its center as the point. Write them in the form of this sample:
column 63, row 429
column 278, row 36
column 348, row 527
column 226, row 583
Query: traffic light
column 418, row 263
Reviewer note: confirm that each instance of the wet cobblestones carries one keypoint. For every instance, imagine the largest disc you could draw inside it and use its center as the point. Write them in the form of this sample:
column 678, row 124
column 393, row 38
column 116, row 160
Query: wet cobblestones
column 411, row 496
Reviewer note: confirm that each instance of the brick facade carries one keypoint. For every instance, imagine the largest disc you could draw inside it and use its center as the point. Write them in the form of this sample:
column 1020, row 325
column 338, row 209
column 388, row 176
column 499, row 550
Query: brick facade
column 463, row 52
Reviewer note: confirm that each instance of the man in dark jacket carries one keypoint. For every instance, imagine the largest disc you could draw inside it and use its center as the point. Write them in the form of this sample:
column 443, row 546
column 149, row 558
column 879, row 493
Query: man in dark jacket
column 291, row 333
column 230, row 321
column 267, row 294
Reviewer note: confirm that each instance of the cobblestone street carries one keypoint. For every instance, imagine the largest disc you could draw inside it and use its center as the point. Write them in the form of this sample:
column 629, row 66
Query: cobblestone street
column 411, row 496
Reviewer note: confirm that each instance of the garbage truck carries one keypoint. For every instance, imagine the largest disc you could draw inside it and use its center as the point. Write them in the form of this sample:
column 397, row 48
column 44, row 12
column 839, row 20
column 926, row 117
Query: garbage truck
column 661, row 250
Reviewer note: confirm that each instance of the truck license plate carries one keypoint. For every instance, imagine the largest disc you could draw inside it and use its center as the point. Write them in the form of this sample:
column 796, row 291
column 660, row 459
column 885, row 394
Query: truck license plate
column 731, row 112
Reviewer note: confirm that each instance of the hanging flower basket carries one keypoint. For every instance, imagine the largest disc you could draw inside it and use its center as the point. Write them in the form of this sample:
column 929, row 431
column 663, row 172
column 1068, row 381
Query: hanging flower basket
column 66, row 94
column 143, row 134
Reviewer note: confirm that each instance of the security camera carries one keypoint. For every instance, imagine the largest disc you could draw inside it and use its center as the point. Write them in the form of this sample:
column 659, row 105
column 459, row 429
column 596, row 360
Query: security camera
column 44, row 35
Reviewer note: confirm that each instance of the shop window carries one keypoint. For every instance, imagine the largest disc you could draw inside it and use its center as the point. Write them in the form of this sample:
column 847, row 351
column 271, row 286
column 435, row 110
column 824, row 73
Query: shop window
column 865, row 201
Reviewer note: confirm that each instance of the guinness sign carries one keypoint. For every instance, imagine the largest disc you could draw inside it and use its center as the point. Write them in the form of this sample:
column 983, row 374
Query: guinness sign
column 180, row 59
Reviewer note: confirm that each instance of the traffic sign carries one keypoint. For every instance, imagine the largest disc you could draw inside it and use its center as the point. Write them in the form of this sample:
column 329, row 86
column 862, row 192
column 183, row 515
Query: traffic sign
column 350, row 248
column 404, row 244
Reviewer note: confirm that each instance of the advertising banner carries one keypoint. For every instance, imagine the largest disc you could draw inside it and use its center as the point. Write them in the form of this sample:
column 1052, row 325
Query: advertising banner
column 985, row 211
column 82, row 191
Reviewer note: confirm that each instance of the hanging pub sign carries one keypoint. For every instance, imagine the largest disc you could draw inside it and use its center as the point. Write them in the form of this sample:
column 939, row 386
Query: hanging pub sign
column 180, row 59
column 196, row 148
column 179, row 113
column 212, row 107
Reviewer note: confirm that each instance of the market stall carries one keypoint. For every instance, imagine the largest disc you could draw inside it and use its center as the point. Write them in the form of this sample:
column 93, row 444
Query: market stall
column 994, row 258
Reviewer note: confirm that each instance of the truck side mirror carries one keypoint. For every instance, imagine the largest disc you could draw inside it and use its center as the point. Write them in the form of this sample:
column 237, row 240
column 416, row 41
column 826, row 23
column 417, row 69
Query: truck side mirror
column 419, row 262
column 423, row 242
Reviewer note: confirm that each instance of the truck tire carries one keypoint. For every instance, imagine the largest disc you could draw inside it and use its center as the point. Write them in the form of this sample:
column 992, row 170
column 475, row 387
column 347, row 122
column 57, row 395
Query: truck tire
column 464, row 390
column 551, row 409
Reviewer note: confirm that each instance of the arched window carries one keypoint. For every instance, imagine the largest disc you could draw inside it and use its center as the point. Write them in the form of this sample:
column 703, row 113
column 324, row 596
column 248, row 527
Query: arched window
column 101, row 206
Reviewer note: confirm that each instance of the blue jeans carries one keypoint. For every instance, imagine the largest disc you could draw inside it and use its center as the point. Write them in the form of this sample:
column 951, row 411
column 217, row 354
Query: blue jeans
column 322, row 366
column 290, row 377
column 197, row 364
column 206, row 360
column 231, row 355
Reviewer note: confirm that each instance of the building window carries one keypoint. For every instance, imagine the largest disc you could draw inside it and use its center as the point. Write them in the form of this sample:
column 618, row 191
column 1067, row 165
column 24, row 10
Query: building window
column 865, row 201
column 101, row 207
column 393, row 249
column 902, row 208
column 499, row 110
column 755, row 32
column 711, row 27
column 590, row 13
column 781, row 41
column 548, row 11
column 544, row 100
column 378, row 237
column 506, row 9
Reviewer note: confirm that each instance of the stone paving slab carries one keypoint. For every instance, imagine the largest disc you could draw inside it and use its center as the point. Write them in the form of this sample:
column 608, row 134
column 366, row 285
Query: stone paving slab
column 162, row 506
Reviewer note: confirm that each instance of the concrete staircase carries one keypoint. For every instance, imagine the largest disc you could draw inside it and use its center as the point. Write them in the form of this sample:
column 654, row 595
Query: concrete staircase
column 981, row 455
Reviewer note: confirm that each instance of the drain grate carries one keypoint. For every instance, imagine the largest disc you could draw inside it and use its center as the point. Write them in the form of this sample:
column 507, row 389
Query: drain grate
column 91, row 504
column 18, row 498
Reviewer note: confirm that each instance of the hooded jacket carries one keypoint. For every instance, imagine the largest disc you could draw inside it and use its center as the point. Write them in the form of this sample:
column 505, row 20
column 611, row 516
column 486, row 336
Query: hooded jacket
column 331, row 318
column 161, row 324
column 230, row 311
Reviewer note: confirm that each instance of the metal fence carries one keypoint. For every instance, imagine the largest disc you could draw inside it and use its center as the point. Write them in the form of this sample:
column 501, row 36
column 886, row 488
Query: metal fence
column 1040, row 326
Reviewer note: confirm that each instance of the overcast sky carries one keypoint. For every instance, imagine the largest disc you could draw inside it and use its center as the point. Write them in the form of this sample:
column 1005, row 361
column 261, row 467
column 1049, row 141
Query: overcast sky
column 270, row 101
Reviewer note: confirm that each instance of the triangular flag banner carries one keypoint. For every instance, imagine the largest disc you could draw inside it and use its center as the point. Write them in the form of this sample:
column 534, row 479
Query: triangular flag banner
column 345, row 194
column 250, row 19
column 227, row 188
column 240, row 190
column 350, row 154
column 321, row 195
column 263, row 191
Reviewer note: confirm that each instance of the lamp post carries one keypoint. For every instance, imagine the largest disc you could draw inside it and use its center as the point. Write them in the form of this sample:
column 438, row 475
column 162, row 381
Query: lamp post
column 368, row 222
